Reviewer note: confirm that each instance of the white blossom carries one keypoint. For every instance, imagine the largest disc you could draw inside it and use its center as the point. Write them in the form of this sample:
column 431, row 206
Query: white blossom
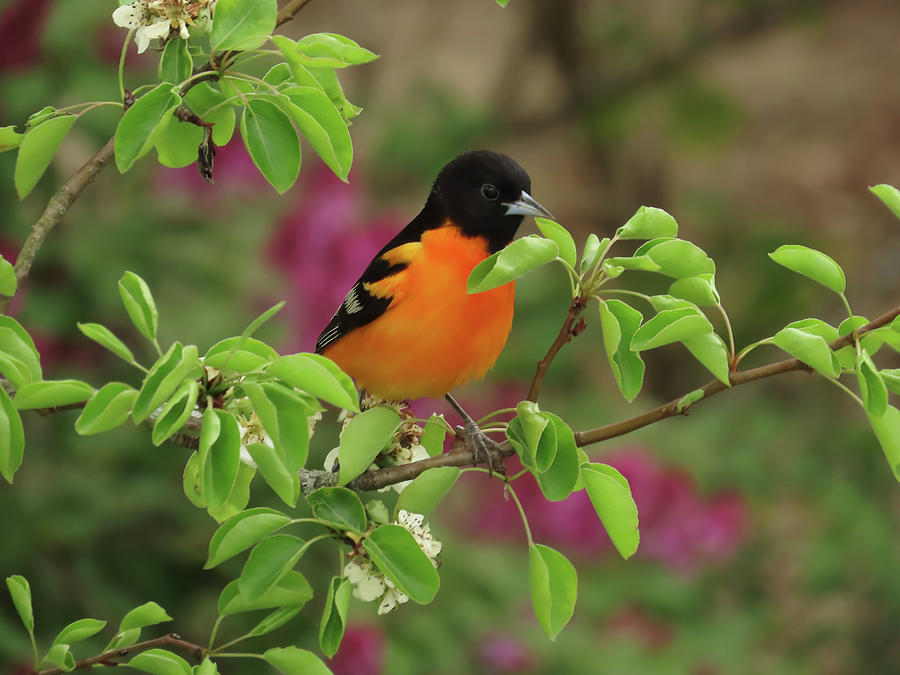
column 368, row 583
column 157, row 19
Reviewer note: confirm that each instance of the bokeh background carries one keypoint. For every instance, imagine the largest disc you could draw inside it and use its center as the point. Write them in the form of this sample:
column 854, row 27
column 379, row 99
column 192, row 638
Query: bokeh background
column 769, row 517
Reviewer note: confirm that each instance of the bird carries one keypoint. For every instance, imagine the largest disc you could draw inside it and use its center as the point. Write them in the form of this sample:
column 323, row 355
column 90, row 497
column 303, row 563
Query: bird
column 407, row 328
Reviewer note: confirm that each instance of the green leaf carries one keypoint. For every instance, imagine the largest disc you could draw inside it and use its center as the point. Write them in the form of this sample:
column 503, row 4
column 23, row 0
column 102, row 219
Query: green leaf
column 148, row 614
column 51, row 393
column 319, row 376
column 275, row 619
column 593, row 249
column 322, row 125
column 648, row 222
column 886, row 193
column 20, row 590
column 670, row 325
column 175, row 412
column 41, row 116
column 554, row 588
column 135, row 130
column 818, row 327
column 640, row 263
column 701, row 290
column 104, row 337
column 160, row 662
column 434, row 434
column 223, row 459
column 270, row 462
column 272, row 143
column 139, row 304
column 887, row 429
column 811, row 349
column 619, row 322
column 12, row 437
column 395, row 552
column 254, row 325
column 59, row 655
column 238, row 497
column 533, row 437
column 8, row 281
column 871, row 386
column 516, row 259
column 301, row 75
column 243, row 531
column 279, row 75
column 79, row 630
column 283, row 413
column 192, row 481
column 108, row 408
column 689, row 399
column 339, row 507
column 561, row 237
column 294, row 661
column 269, row 561
column 19, row 359
column 338, row 50
column 558, row 481
column 377, row 512
column 611, row 496
column 175, row 64
column 334, row 616
column 680, row 259
column 363, row 438
column 209, row 104
column 292, row 590
column 206, row 667
column 251, row 355
column 710, row 350
column 242, row 24
column 427, row 490
column 164, row 377
column 37, row 149
column 10, row 139
column 891, row 379
column 811, row 263
column 176, row 142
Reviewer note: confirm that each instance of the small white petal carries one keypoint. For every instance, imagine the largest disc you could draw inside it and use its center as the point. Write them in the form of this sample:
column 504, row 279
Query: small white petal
column 246, row 458
column 331, row 458
column 128, row 16
column 141, row 40
column 158, row 29
column 182, row 28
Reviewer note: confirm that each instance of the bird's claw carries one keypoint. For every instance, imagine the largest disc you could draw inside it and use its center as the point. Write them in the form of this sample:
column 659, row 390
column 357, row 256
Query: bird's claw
column 481, row 445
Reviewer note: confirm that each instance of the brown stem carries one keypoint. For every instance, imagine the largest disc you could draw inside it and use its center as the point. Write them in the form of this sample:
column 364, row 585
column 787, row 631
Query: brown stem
column 109, row 658
column 289, row 11
column 566, row 333
column 56, row 208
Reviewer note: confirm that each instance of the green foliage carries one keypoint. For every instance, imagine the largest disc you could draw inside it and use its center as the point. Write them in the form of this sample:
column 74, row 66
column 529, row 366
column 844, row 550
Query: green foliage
column 134, row 134
column 363, row 438
column 338, row 507
column 427, row 490
column 243, row 24
column 554, row 587
column 396, row 553
column 160, row 662
column 611, row 496
column 334, row 616
column 12, row 437
column 36, row 150
column 8, row 281
column 811, row 263
column 518, row 258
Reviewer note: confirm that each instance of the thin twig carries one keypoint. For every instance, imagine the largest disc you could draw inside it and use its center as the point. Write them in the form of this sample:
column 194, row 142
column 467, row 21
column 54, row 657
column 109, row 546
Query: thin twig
column 56, row 208
column 289, row 11
column 109, row 658
column 567, row 332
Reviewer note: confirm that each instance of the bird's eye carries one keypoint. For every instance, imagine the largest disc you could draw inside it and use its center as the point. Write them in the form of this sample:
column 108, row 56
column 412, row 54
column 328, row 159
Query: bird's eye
column 490, row 192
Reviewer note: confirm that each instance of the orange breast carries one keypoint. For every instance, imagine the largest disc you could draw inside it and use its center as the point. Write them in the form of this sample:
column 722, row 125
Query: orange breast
column 434, row 336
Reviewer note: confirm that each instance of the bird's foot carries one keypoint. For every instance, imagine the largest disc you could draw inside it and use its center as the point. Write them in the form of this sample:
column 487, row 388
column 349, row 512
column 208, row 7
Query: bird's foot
column 482, row 446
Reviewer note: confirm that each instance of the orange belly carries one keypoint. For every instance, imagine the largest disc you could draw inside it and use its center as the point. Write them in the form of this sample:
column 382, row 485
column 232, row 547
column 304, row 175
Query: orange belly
column 434, row 336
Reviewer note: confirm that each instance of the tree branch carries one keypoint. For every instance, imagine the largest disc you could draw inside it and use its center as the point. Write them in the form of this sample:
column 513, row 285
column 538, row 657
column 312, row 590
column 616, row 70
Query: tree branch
column 109, row 658
column 56, row 208
column 289, row 11
column 566, row 333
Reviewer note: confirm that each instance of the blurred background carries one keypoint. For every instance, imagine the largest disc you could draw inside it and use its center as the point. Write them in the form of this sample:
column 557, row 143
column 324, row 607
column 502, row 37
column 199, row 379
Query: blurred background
column 769, row 517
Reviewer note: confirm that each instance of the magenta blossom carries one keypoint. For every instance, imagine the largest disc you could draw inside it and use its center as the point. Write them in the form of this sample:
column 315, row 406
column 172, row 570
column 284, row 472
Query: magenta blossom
column 680, row 528
column 21, row 23
column 361, row 652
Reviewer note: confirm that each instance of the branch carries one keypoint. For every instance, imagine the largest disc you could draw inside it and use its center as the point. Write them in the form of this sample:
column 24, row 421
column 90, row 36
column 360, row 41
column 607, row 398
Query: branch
column 107, row 658
column 56, row 208
column 566, row 333
column 671, row 408
column 289, row 11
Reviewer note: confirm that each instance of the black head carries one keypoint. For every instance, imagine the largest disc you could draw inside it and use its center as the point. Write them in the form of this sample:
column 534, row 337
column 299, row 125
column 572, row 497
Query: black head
column 486, row 194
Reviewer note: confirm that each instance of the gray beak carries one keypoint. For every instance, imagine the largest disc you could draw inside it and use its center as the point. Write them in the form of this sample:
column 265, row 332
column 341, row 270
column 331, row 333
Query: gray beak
column 526, row 206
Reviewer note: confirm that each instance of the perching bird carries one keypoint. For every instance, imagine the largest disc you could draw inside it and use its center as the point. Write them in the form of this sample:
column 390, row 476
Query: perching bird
column 407, row 328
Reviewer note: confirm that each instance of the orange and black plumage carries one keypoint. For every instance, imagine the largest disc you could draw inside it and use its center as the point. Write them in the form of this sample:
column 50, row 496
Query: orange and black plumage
column 407, row 328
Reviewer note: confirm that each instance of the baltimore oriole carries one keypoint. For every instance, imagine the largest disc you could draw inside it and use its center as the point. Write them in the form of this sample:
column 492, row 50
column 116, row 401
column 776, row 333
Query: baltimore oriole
column 407, row 328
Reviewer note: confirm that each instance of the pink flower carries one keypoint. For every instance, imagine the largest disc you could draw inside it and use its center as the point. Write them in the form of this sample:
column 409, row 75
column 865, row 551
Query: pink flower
column 505, row 654
column 322, row 246
column 361, row 652
column 680, row 528
column 21, row 24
